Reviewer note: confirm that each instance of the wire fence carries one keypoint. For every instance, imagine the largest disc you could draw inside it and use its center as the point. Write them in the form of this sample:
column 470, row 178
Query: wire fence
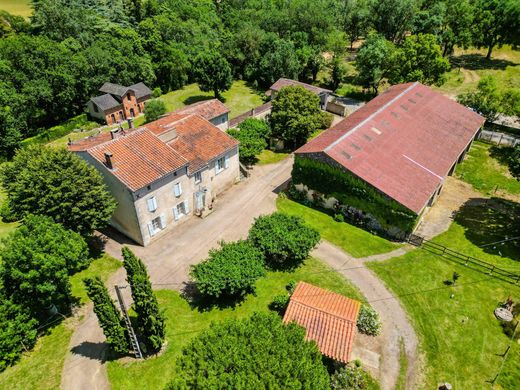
column 499, row 138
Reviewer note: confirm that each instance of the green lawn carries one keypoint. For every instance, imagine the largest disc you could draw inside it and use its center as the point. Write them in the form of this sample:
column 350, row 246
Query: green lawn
column 185, row 322
column 353, row 240
column 17, row 7
column 41, row 368
column 239, row 98
column 269, row 157
column 459, row 335
column 485, row 169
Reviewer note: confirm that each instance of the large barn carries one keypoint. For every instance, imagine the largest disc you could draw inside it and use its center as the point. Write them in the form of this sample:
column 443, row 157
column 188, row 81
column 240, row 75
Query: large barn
column 399, row 148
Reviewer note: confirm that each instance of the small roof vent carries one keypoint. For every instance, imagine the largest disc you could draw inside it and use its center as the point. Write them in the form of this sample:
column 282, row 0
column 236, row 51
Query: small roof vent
column 375, row 130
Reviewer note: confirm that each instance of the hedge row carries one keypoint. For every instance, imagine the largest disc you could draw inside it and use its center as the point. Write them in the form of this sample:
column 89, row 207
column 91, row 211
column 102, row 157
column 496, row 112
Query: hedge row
column 351, row 191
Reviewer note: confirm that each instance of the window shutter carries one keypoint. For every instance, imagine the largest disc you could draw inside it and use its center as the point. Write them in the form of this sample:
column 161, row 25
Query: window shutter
column 176, row 214
column 226, row 162
column 186, row 207
column 151, row 230
column 177, row 189
column 216, row 167
column 152, row 204
column 163, row 221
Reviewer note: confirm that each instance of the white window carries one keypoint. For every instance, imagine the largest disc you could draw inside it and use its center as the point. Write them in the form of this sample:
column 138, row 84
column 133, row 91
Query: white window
column 180, row 210
column 198, row 177
column 152, row 204
column 221, row 164
column 156, row 225
column 177, row 189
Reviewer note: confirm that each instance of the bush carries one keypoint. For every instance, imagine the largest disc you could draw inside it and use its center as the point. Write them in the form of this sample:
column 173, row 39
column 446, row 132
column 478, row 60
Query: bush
column 231, row 270
column 339, row 217
column 284, row 240
column 279, row 303
column 259, row 352
column 514, row 163
column 256, row 126
column 352, row 377
column 157, row 92
column 368, row 321
column 291, row 286
column 251, row 144
column 153, row 110
column 17, row 331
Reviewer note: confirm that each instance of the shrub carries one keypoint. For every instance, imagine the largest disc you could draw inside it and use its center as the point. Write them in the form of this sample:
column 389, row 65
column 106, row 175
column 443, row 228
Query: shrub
column 259, row 352
column 17, row 331
column 284, row 240
column 279, row 303
column 153, row 110
column 352, row 377
column 514, row 163
column 157, row 92
column 256, row 126
column 150, row 321
column 368, row 321
column 251, row 144
column 231, row 270
column 339, row 217
column 291, row 286
column 108, row 316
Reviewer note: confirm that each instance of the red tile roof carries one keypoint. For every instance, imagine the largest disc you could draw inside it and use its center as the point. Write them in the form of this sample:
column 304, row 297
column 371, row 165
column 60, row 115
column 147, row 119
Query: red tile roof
column 281, row 83
column 208, row 109
column 161, row 147
column 330, row 319
column 404, row 142
column 139, row 158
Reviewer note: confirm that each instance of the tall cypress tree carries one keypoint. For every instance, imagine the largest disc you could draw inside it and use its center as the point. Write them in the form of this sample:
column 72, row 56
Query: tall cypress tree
column 150, row 321
column 108, row 316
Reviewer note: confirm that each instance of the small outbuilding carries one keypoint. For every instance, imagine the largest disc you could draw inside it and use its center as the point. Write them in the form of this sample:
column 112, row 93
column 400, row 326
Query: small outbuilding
column 329, row 319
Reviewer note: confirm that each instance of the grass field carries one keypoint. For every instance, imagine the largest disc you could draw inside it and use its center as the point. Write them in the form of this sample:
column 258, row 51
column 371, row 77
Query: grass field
column 459, row 334
column 353, row 240
column 270, row 157
column 41, row 368
column 485, row 169
column 17, row 7
column 184, row 322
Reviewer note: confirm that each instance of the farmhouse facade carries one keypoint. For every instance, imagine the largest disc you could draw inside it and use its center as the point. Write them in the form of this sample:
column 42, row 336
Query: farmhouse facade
column 398, row 147
column 162, row 173
column 118, row 102
column 212, row 110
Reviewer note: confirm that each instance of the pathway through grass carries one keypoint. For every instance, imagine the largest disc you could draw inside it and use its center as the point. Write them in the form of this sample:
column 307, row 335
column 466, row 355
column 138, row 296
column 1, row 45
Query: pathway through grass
column 17, row 7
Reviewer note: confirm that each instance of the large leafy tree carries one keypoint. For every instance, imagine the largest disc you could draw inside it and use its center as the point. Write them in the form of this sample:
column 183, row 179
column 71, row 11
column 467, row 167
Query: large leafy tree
column 485, row 100
column 35, row 265
column 56, row 183
column 252, row 135
column 375, row 61
column 154, row 109
column 296, row 115
column 278, row 59
column 212, row 72
column 419, row 59
column 394, row 18
column 231, row 270
column 109, row 317
column 458, row 24
column 258, row 352
column 150, row 320
column 496, row 22
column 285, row 240
column 355, row 17
column 17, row 331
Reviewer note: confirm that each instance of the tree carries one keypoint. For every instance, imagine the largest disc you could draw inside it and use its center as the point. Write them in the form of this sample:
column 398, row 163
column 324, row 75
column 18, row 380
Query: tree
column 496, row 22
column 34, row 270
column 419, row 59
column 278, row 59
column 109, row 317
column 375, row 61
column 150, row 321
column 252, row 135
column 296, row 115
column 338, row 71
column 355, row 18
column 285, row 240
column 17, row 332
column 394, row 18
column 56, row 183
column 485, row 100
column 458, row 23
column 231, row 270
column 212, row 72
column 153, row 110
column 258, row 352
column 514, row 163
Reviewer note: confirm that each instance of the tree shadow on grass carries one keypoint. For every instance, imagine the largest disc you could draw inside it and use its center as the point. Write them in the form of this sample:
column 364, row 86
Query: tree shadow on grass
column 501, row 153
column 487, row 222
column 479, row 62
column 204, row 303
column 200, row 98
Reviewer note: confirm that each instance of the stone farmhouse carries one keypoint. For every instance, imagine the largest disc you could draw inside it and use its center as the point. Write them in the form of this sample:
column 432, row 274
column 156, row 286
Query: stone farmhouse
column 212, row 110
column 399, row 148
column 163, row 172
column 118, row 102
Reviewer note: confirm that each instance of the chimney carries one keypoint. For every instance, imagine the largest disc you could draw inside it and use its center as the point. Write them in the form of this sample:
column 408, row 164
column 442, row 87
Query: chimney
column 114, row 133
column 108, row 160
column 130, row 123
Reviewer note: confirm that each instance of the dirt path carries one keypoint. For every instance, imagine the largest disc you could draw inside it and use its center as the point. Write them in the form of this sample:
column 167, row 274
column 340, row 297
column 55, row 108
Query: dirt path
column 396, row 328
column 168, row 261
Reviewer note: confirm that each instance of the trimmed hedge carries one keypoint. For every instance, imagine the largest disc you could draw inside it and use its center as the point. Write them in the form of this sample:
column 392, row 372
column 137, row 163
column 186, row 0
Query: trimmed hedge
column 351, row 191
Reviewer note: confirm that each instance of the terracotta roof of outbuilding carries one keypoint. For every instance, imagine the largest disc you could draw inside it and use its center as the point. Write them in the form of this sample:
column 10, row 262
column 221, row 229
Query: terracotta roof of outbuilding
column 106, row 102
column 139, row 158
column 281, row 83
column 330, row 319
column 208, row 109
column 404, row 142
